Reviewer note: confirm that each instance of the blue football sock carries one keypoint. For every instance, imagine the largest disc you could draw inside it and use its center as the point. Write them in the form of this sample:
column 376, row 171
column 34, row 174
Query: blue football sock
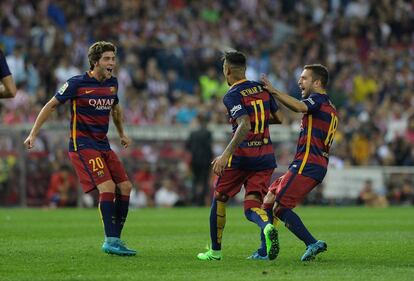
column 107, row 209
column 217, row 223
column 296, row 226
column 269, row 211
column 258, row 216
column 121, row 207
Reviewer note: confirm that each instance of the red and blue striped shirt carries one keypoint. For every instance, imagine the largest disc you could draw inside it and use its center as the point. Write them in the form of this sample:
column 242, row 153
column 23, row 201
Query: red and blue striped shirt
column 318, row 129
column 91, row 104
column 256, row 151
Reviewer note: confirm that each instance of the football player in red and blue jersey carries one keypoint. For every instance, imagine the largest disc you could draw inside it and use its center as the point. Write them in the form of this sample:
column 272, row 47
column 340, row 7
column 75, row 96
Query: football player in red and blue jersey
column 319, row 124
column 7, row 85
column 248, row 160
column 93, row 98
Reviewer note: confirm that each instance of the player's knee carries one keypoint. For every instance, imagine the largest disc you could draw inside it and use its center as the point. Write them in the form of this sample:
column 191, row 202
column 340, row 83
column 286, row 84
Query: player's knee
column 108, row 186
column 125, row 187
column 269, row 198
column 221, row 197
column 256, row 196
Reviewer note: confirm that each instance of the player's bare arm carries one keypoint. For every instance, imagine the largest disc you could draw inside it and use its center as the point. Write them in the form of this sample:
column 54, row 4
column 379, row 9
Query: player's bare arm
column 290, row 102
column 118, row 119
column 7, row 87
column 40, row 119
column 243, row 129
column 276, row 117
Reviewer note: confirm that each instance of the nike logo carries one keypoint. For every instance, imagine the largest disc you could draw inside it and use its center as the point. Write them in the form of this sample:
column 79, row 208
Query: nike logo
column 89, row 91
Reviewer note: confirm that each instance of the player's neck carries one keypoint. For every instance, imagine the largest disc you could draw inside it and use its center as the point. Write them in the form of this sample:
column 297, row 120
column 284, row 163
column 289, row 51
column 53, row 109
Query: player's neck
column 95, row 75
column 236, row 79
column 320, row 91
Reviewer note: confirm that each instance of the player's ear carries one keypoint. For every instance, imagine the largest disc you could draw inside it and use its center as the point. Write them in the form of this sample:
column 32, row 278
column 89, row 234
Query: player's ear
column 228, row 70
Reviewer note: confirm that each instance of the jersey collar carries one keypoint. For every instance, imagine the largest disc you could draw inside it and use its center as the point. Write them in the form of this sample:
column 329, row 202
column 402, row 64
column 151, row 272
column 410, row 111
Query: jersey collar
column 238, row 82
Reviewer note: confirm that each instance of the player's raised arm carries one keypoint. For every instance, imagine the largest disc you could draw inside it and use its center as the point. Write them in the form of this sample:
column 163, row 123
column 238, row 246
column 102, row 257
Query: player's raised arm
column 118, row 120
column 276, row 116
column 40, row 119
column 243, row 128
column 288, row 101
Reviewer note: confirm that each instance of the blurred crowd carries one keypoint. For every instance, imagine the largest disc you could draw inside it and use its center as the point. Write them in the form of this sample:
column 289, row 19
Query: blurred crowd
column 169, row 66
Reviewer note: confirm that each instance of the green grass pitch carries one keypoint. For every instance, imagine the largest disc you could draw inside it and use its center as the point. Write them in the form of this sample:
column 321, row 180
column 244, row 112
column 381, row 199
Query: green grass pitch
column 363, row 244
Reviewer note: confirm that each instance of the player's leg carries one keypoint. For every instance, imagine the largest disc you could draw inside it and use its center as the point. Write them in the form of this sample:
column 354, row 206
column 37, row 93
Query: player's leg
column 269, row 200
column 267, row 206
column 123, row 191
column 122, row 204
column 112, row 243
column 295, row 225
column 226, row 187
column 290, row 192
column 217, row 224
column 256, row 186
column 93, row 173
column 107, row 207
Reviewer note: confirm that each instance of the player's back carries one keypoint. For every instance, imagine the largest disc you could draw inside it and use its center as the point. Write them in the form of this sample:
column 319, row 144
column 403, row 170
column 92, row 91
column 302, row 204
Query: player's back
column 318, row 129
column 256, row 151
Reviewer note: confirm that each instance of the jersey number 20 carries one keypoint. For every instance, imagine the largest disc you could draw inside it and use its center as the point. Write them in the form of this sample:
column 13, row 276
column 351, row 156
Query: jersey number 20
column 96, row 163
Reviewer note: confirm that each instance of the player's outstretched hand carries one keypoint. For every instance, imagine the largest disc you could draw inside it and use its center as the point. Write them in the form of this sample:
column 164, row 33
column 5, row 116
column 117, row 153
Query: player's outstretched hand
column 29, row 142
column 219, row 163
column 125, row 141
column 267, row 85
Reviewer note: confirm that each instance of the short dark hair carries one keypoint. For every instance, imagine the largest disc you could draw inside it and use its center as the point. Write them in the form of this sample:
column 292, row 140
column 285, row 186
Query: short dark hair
column 319, row 72
column 235, row 58
column 97, row 49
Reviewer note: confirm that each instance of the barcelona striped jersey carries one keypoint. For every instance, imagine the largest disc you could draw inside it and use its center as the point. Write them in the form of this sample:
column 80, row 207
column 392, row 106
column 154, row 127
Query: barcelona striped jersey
column 256, row 151
column 318, row 129
column 91, row 104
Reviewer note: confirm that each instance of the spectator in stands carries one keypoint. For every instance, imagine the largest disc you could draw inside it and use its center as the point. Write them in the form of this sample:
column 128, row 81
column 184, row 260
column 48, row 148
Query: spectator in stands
column 370, row 198
column 407, row 193
column 138, row 198
column 166, row 195
column 62, row 191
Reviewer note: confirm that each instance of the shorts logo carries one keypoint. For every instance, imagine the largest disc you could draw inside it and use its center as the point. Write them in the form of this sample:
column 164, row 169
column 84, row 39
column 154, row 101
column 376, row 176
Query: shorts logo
column 63, row 88
column 100, row 173
column 235, row 108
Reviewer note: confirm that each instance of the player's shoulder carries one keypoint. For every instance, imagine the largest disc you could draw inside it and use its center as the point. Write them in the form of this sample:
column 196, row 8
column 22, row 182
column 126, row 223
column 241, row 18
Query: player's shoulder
column 78, row 78
column 237, row 88
column 322, row 98
column 316, row 98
